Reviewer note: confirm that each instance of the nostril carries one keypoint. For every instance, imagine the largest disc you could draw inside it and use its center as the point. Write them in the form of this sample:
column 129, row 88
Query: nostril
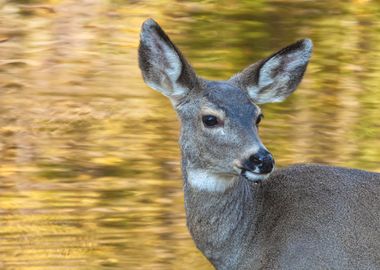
column 268, row 164
column 255, row 160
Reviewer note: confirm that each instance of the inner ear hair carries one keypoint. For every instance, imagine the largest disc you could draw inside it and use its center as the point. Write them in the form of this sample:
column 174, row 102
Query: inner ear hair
column 277, row 76
column 163, row 66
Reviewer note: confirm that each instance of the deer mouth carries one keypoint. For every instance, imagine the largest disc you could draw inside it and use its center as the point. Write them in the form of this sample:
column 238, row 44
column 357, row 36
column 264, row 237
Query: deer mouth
column 252, row 176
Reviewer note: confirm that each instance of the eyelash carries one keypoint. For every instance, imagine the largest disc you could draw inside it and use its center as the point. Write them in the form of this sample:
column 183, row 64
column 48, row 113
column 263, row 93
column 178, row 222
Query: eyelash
column 210, row 120
column 259, row 118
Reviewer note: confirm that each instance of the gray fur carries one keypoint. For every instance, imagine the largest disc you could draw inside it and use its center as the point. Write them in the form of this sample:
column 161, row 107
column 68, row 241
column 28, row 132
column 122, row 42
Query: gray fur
column 300, row 217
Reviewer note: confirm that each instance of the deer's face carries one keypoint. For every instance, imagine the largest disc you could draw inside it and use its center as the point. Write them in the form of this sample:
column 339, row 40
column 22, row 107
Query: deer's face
column 220, row 132
column 220, row 120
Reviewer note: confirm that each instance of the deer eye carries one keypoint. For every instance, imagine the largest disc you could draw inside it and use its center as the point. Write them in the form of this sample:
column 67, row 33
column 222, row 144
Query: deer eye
column 259, row 118
column 210, row 120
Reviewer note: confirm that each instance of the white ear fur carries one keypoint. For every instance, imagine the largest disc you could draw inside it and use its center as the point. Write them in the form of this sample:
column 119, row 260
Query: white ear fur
column 162, row 64
column 163, row 59
column 276, row 77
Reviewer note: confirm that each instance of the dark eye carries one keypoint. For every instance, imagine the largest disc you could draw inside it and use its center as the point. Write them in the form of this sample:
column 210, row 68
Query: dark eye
column 210, row 120
column 259, row 118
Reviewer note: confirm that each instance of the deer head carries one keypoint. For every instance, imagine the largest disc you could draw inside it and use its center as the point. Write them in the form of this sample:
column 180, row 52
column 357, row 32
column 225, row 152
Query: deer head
column 219, row 134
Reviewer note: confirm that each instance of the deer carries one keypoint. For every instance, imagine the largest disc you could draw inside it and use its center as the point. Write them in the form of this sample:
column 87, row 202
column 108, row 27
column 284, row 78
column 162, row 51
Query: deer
column 241, row 212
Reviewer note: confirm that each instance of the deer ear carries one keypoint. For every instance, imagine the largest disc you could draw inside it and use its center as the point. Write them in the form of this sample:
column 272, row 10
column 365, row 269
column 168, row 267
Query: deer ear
column 276, row 77
column 162, row 65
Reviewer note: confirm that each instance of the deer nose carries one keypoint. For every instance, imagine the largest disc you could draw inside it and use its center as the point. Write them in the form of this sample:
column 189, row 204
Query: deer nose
column 261, row 162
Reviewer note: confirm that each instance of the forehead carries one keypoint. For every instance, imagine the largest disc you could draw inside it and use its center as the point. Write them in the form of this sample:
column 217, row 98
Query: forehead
column 230, row 99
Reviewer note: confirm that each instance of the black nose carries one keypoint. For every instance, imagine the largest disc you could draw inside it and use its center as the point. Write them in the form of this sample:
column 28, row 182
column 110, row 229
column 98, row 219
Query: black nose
column 261, row 161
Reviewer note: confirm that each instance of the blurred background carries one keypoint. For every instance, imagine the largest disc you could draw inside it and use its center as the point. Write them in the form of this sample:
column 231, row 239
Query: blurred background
column 89, row 162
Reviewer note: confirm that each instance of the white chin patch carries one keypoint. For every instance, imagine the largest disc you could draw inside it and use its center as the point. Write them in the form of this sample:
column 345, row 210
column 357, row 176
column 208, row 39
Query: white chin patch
column 202, row 180
column 255, row 177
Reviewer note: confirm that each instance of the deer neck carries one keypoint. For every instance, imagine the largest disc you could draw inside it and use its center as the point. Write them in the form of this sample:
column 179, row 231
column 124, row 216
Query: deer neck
column 219, row 220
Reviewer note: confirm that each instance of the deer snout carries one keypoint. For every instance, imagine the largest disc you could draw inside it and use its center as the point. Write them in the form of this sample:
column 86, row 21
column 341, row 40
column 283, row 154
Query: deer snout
column 261, row 162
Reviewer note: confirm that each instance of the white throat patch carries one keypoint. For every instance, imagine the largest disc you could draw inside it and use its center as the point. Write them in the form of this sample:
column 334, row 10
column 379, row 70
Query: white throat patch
column 202, row 180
